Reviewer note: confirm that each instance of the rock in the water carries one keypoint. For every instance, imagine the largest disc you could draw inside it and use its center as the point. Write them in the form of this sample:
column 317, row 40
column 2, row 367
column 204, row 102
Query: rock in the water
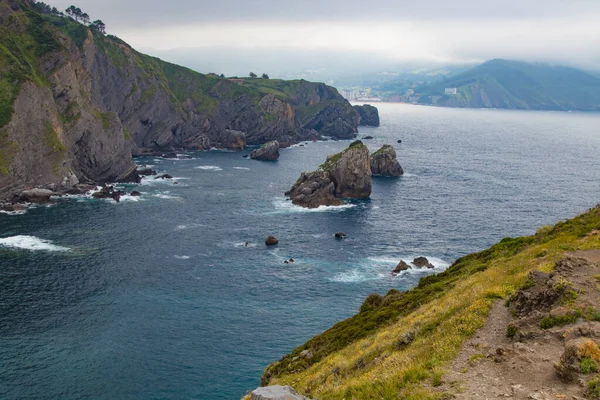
column 340, row 235
column 402, row 266
column 146, row 172
column 343, row 175
column 36, row 195
column 384, row 162
column 422, row 262
column 368, row 138
column 271, row 241
column 169, row 155
column 399, row 141
column 135, row 193
column 314, row 189
column 267, row 152
column 369, row 115
column 164, row 176
column 351, row 172
column 276, row 392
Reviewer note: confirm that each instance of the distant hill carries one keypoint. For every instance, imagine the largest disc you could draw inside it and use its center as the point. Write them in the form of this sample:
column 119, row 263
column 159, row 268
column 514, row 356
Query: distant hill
column 516, row 85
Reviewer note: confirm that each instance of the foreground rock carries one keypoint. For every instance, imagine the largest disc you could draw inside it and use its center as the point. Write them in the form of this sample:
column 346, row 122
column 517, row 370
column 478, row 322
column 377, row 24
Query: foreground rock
column 346, row 175
column 267, row 152
column 384, row 162
column 276, row 392
column 38, row 196
column 369, row 115
column 271, row 241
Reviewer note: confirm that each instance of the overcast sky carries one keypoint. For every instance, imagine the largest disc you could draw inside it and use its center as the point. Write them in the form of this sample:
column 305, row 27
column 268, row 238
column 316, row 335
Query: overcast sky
column 431, row 31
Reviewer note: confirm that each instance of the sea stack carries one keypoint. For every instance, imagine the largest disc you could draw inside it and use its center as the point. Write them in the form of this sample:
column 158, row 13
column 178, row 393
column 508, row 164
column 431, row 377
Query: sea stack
column 384, row 162
column 267, row 152
column 369, row 115
column 346, row 175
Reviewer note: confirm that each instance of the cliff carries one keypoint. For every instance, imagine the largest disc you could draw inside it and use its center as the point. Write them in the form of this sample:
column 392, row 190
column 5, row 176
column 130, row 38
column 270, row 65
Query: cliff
column 453, row 332
column 75, row 105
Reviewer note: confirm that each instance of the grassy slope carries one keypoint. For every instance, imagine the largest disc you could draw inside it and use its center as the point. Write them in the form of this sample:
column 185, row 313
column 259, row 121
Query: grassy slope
column 521, row 85
column 399, row 344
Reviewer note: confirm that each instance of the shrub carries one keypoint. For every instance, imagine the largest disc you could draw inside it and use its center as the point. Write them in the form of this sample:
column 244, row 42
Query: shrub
column 587, row 365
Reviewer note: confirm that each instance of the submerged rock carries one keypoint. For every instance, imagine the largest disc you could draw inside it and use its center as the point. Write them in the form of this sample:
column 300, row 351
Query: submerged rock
column 369, row 115
column 343, row 175
column 146, row 172
column 39, row 196
column 271, row 241
column 276, row 392
column 340, row 235
column 384, row 162
column 267, row 152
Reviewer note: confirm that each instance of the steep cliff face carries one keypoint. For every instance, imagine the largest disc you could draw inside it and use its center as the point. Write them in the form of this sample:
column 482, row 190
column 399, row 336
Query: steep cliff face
column 74, row 102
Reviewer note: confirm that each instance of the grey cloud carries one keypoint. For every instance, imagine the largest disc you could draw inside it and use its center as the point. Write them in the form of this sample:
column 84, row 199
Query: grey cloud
column 132, row 13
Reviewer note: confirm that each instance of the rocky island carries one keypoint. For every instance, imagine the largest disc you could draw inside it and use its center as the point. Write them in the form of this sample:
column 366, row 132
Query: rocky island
column 345, row 175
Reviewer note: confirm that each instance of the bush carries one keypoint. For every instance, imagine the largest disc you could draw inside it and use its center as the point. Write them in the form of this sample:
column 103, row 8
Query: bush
column 587, row 365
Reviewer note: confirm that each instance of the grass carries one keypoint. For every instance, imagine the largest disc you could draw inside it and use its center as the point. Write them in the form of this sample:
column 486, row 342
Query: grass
column 587, row 365
column 560, row 320
column 442, row 312
column 593, row 388
column 8, row 151
column 329, row 164
column 104, row 118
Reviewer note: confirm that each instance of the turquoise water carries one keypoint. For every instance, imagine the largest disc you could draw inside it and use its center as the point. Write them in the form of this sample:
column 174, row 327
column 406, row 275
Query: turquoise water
column 158, row 298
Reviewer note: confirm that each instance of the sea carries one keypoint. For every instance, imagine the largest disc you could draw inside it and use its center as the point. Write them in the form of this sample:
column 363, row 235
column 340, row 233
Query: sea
column 174, row 295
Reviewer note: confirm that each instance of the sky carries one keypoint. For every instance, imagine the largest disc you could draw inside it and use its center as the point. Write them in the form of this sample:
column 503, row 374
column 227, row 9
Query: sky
column 276, row 34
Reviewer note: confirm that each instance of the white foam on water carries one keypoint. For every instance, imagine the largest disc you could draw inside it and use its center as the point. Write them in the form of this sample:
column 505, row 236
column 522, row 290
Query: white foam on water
column 18, row 212
column 244, row 168
column 183, row 257
column 190, row 226
column 352, row 276
column 209, row 168
column 26, row 242
column 285, row 206
column 166, row 196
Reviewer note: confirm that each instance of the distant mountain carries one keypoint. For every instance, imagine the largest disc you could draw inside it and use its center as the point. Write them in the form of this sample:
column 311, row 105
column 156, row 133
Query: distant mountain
column 516, row 85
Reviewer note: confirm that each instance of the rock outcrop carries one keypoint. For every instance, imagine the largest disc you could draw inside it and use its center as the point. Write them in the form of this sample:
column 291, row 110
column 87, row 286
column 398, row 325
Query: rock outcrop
column 271, row 241
column 346, row 175
column 101, row 102
column 39, row 196
column 385, row 163
column 369, row 115
column 422, row 262
column 276, row 392
column 267, row 152
column 402, row 266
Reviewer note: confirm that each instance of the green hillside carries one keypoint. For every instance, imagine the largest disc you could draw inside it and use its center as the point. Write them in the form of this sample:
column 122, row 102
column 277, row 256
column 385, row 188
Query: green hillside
column 517, row 85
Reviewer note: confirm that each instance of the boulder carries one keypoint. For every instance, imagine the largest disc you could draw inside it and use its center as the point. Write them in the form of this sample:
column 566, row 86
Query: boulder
column 399, row 141
column 135, row 193
column 368, row 137
column 267, row 152
column 422, row 262
column 164, row 176
column 384, row 162
column 199, row 142
column 343, row 175
column 340, row 235
column 369, row 115
column 36, row 195
column 402, row 266
column 276, row 392
column 169, row 155
column 271, row 241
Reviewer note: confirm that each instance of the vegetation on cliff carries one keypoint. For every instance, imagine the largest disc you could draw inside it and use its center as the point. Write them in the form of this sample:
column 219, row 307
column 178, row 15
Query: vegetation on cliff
column 400, row 345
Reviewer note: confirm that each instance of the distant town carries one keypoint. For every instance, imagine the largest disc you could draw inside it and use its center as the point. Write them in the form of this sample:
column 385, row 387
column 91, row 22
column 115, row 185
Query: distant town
column 409, row 96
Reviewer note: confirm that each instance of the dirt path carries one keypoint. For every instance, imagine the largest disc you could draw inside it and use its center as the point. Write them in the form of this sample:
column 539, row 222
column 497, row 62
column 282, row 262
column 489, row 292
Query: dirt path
column 492, row 365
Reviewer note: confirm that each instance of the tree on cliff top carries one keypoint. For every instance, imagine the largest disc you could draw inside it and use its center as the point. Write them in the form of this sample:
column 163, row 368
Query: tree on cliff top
column 99, row 26
column 252, row 75
column 265, row 76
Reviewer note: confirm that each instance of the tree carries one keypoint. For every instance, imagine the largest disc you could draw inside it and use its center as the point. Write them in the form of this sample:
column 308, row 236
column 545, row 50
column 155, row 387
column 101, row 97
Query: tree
column 252, row 75
column 265, row 76
column 71, row 11
column 221, row 76
column 78, row 13
column 99, row 26
column 85, row 18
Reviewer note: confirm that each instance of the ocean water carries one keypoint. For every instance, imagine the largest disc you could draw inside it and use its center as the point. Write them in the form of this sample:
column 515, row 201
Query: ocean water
column 158, row 297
